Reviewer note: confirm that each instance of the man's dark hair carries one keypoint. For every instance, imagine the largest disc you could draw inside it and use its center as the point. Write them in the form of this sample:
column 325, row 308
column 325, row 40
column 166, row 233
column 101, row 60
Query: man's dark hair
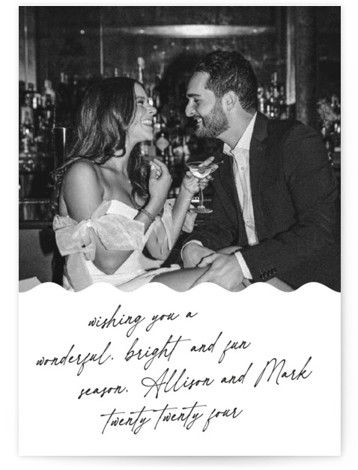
column 230, row 71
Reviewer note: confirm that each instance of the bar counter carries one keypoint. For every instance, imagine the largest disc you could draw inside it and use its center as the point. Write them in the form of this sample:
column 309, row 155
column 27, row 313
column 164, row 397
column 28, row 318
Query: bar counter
column 38, row 254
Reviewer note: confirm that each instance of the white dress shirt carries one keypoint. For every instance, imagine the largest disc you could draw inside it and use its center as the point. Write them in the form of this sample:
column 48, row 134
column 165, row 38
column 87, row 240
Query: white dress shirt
column 241, row 170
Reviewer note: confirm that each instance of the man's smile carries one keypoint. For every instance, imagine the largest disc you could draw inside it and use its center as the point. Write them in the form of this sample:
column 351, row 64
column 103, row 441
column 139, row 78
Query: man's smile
column 198, row 121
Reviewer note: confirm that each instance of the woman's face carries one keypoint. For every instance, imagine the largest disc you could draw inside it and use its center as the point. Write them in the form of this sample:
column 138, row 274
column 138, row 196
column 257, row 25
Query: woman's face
column 141, row 127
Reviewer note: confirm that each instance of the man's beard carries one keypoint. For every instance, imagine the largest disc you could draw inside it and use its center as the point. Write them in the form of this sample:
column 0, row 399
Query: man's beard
column 214, row 124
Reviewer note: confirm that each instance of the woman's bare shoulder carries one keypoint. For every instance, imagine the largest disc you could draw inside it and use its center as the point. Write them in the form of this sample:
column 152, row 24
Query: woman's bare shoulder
column 81, row 169
column 82, row 174
column 82, row 187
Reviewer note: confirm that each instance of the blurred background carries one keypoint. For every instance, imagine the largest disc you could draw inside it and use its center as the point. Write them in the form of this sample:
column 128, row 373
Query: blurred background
column 295, row 52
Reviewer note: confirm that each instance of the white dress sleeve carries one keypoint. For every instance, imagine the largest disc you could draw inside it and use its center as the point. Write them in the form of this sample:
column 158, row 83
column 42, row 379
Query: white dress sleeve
column 162, row 229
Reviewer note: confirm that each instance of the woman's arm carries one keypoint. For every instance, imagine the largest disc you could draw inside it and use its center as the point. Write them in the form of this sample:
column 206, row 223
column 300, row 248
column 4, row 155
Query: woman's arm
column 190, row 186
column 182, row 204
column 83, row 194
column 157, row 244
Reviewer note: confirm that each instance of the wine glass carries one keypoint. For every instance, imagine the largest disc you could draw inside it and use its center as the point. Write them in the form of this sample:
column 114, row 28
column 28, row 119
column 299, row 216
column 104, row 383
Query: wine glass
column 200, row 170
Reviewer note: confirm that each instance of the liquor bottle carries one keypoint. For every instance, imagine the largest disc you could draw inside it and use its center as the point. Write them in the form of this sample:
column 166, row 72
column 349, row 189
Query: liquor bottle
column 76, row 93
column 335, row 105
column 27, row 122
column 161, row 139
column 275, row 89
column 141, row 66
column 336, row 137
column 27, row 135
column 157, row 123
column 177, row 144
column 274, row 97
column 186, row 149
column 26, row 110
column 282, row 103
column 37, row 113
column 261, row 100
column 48, row 91
column 49, row 111
column 63, row 102
column 162, row 144
column 156, row 92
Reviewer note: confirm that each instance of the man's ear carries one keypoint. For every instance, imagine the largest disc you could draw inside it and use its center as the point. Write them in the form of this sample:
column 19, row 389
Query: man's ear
column 229, row 101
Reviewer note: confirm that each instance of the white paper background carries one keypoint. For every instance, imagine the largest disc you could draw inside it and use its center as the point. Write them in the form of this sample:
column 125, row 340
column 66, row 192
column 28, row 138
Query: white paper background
column 300, row 417
column 9, row 274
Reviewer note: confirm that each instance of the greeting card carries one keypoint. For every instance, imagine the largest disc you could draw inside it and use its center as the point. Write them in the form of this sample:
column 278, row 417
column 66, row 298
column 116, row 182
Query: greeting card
column 179, row 232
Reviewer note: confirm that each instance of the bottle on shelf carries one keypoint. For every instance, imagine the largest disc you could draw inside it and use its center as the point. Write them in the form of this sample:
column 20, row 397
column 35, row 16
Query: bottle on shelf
column 48, row 92
column 272, row 99
column 141, row 66
column 156, row 92
column 27, row 122
column 177, row 139
column 26, row 109
column 186, row 149
column 63, row 101
column 161, row 138
column 162, row 143
column 261, row 100
column 329, row 110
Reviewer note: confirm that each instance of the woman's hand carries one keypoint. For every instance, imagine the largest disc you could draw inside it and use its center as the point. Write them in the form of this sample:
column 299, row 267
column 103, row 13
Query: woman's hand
column 191, row 184
column 159, row 181
column 229, row 250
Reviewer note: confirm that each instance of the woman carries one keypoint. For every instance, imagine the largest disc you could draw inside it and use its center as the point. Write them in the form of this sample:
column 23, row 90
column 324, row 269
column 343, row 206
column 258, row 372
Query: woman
column 111, row 204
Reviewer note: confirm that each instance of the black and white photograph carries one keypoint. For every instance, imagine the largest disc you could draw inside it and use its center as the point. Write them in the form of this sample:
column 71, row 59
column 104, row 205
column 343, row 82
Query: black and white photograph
column 177, row 187
column 179, row 145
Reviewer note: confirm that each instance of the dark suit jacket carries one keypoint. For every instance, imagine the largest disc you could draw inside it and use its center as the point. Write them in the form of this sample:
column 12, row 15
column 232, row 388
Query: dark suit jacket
column 295, row 202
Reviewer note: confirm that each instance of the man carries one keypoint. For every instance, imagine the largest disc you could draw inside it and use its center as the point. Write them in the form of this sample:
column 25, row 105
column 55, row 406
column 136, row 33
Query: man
column 275, row 206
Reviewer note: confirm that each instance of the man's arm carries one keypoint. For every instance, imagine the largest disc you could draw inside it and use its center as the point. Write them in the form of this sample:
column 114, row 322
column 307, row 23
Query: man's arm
column 217, row 230
column 313, row 192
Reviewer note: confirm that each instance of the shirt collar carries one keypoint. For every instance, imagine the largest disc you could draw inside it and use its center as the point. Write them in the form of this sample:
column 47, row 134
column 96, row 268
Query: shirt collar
column 245, row 140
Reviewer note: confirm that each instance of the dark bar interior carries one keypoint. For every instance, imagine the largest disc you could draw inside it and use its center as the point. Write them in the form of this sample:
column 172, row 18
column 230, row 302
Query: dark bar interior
column 295, row 52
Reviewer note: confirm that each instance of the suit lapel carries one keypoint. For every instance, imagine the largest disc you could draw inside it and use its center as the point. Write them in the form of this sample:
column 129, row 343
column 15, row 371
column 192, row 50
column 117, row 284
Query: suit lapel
column 227, row 180
column 226, row 186
column 258, row 163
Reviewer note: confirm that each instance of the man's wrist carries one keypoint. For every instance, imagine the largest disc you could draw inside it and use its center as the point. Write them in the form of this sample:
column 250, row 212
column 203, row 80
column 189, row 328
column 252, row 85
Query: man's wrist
column 195, row 242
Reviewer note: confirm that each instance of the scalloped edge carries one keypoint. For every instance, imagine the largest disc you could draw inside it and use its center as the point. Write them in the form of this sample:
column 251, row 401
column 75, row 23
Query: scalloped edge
column 157, row 285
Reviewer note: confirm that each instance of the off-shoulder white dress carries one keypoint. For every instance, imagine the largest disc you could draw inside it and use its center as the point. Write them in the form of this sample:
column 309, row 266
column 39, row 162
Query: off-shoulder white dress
column 114, row 224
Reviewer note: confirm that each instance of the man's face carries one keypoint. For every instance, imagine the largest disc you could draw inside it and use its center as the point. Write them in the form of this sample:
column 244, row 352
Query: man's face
column 205, row 108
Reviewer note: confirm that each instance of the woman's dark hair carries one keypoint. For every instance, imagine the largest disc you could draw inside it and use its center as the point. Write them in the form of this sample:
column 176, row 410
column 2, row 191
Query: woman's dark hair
column 230, row 71
column 107, row 110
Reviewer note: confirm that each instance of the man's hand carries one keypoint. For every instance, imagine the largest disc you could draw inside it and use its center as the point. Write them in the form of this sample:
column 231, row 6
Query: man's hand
column 193, row 253
column 229, row 250
column 225, row 271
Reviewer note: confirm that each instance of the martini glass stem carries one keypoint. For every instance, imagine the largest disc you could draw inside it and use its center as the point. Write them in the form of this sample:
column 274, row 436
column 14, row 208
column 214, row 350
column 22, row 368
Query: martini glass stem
column 201, row 199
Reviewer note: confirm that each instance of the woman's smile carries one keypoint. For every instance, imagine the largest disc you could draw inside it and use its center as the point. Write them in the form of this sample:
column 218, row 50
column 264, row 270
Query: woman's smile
column 148, row 122
column 142, row 126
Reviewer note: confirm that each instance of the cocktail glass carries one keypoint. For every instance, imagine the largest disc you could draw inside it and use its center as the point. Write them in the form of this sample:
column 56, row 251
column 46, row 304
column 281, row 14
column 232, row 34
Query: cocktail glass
column 200, row 170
